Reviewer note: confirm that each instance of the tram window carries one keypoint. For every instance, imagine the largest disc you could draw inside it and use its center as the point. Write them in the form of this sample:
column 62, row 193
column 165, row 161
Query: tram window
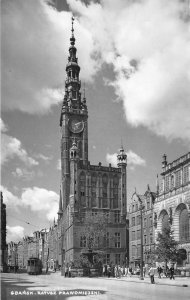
column 28, row 262
column 32, row 262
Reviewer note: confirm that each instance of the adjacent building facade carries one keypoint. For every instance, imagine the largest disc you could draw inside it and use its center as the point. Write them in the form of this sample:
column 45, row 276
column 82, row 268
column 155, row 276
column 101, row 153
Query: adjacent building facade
column 172, row 206
column 141, row 206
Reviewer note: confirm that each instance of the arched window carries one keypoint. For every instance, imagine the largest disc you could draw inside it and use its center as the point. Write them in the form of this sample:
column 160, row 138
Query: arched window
column 104, row 191
column 165, row 222
column 94, row 181
column 184, row 225
column 82, row 188
column 115, row 191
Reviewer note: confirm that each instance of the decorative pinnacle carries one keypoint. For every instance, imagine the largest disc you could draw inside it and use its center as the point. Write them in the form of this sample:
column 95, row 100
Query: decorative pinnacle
column 72, row 29
column 72, row 39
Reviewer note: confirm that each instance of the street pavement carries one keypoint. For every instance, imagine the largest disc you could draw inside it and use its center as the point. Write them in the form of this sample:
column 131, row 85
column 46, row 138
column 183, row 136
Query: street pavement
column 54, row 286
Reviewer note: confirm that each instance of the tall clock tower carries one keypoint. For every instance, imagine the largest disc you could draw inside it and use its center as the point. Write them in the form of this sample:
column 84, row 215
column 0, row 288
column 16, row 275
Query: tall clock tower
column 73, row 120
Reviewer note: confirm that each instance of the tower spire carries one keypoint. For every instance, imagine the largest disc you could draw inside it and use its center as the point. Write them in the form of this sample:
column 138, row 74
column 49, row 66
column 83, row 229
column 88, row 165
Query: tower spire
column 72, row 39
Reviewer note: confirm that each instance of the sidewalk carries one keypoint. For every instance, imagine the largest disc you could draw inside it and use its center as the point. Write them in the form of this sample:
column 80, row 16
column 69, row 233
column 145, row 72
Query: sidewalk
column 178, row 281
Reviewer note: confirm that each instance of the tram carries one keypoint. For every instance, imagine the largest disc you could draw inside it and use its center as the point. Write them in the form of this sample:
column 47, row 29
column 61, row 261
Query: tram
column 34, row 266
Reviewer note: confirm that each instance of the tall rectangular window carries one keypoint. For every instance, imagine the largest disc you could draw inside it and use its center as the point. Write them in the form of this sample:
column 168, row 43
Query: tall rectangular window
column 117, row 259
column 133, row 221
column 138, row 250
column 107, row 258
column 117, row 240
column 117, row 217
column 138, row 220
column 145, row 240
column 133, row 235
column 186, row 174
column 134, row 249
column 138, row 234
column 148, row 204
column 151, row 238
column 167, row 183
column 145, row 223
column 150, row 221
column 178, row 178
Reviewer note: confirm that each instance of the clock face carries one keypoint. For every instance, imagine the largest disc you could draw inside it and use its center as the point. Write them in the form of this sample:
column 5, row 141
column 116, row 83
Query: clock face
column 76, row 125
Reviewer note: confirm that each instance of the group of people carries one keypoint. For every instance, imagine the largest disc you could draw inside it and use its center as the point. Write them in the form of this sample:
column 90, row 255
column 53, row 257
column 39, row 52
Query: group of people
column 116, row 270
column 168, row 272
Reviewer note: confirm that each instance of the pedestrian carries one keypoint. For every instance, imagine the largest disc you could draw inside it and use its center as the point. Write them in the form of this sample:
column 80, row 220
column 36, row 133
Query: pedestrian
column 69, row 271
column 104, row 270
column 151, row 274
column 126, row 271
column 116, row 271
column 159, row 269
column 108, row 271
column 130, row 271
column 66, row 271
column 172, row 272
column 166, row 271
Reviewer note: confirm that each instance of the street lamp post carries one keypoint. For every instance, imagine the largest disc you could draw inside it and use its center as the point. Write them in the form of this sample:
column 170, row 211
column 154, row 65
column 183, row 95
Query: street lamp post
column 141, row 261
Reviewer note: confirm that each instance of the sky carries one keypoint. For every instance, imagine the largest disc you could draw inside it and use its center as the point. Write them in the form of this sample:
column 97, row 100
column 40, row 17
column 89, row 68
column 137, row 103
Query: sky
column 135, row 63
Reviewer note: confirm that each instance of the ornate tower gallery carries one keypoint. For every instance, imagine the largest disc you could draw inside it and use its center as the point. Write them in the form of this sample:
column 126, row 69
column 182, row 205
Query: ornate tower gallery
column 85, row 187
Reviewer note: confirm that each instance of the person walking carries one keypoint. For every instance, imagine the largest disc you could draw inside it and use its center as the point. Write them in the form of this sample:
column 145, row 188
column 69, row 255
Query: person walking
column 108, row 271
column 130, row 271
column 159, row 269
column 151, row 274
column 104, row 270
column 172, row 272
column 66, row 271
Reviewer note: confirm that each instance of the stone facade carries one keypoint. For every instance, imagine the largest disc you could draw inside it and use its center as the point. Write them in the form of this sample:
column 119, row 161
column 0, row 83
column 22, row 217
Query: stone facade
column 172, row 206
column 86, row 187
column 147, row 201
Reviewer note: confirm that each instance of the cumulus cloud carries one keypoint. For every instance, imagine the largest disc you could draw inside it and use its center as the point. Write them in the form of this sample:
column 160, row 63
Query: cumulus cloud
column 11, row 147
column 149, row 48
column 133, row 159
column 35, row 42
column 14, row 233
column 37, row 199
column 9, row 199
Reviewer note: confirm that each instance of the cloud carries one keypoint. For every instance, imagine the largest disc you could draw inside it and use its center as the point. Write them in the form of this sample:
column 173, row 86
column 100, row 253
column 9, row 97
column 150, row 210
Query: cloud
column 39, row 199
column 11, row 147
column 9, row 199
column 35, row 43
column 43, row 157
column 24, row 174
column 3, row 127
column 149, row 48
column 14, row 233
column 133, row 159
column 59, row 164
